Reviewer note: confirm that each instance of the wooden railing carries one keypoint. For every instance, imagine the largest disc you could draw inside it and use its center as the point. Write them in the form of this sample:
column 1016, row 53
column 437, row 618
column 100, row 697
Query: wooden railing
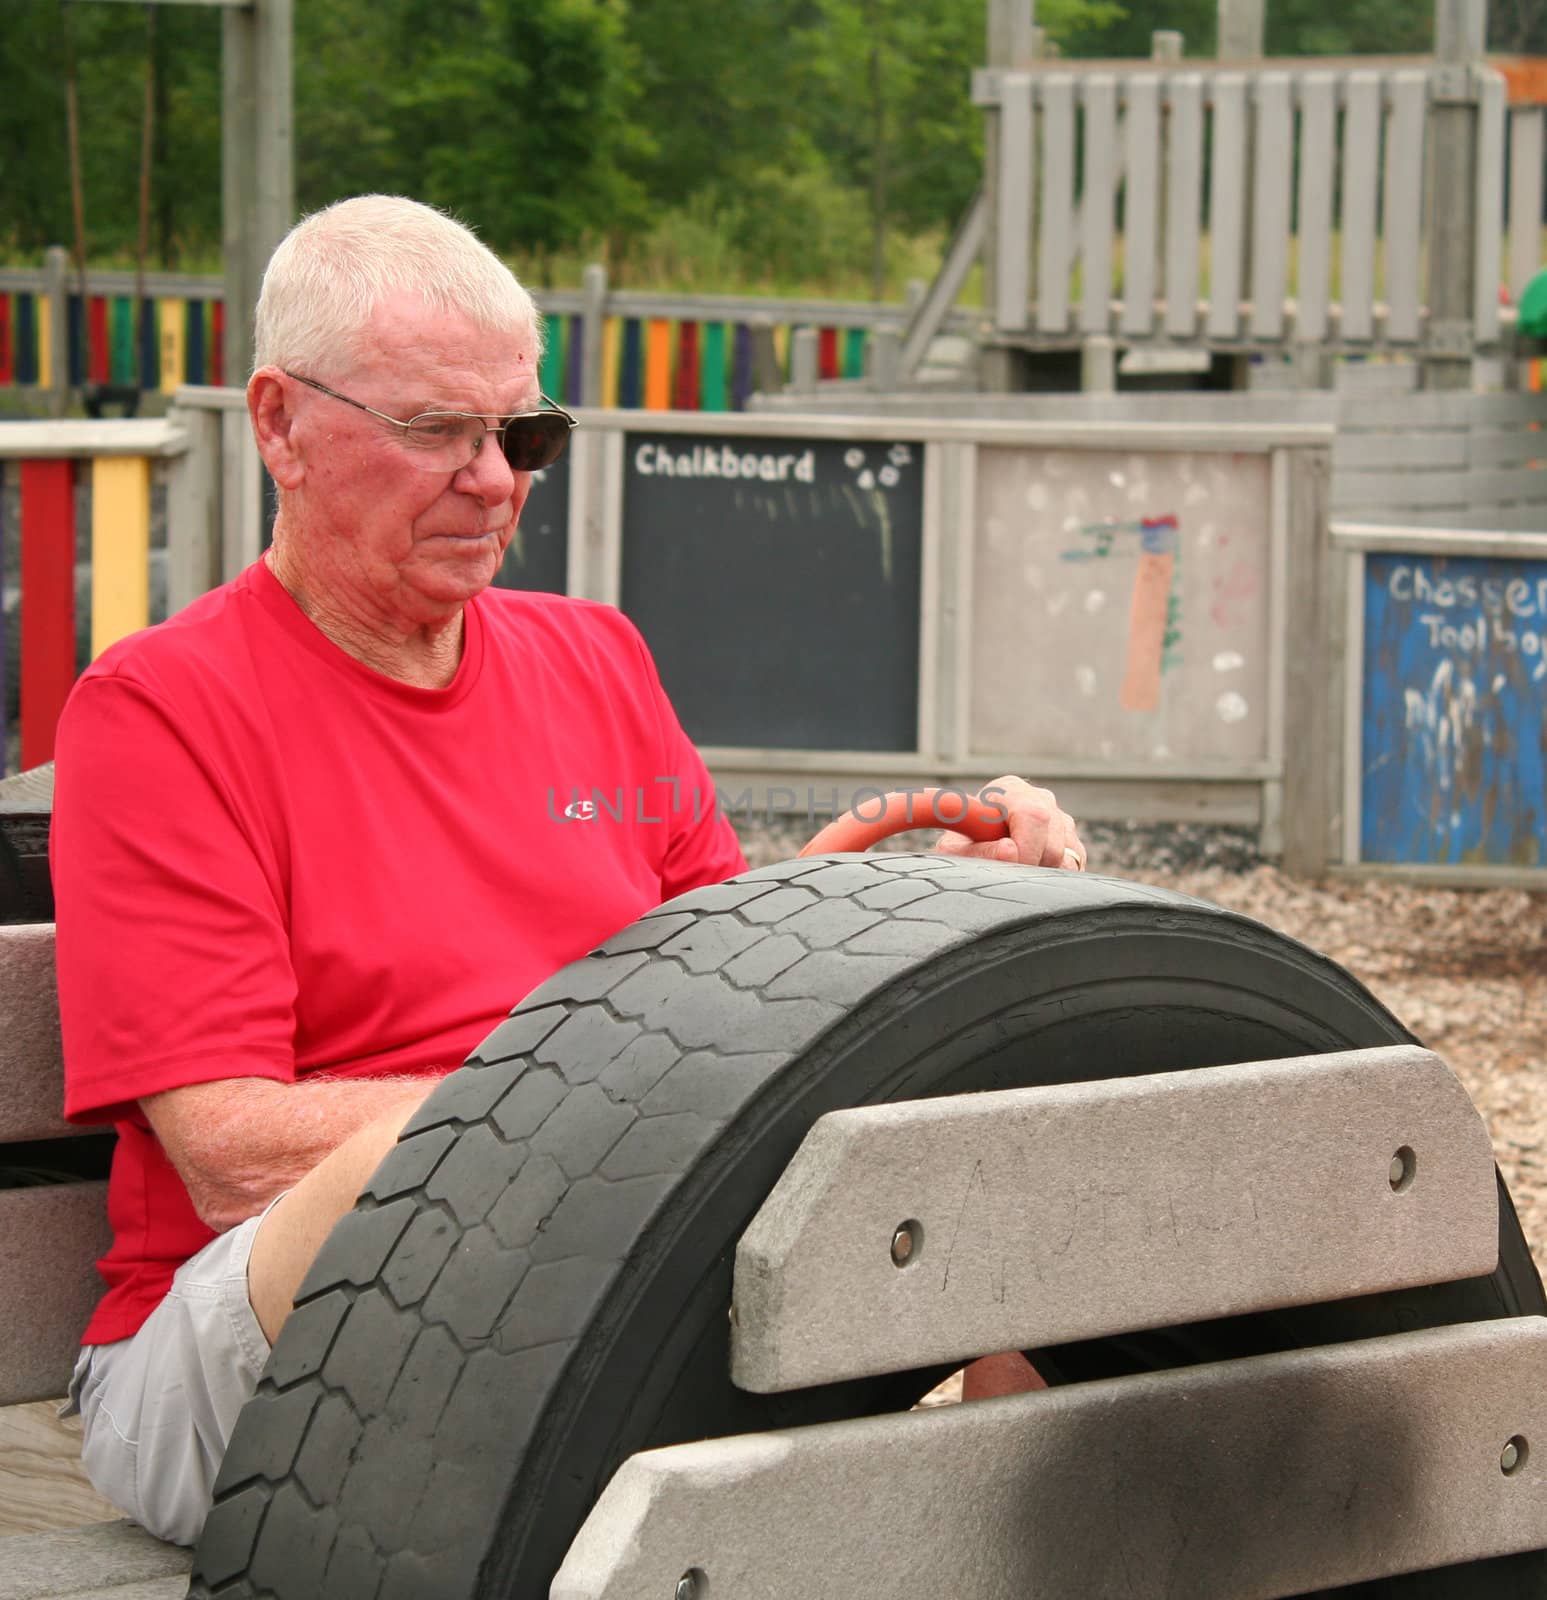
column 1199, row 203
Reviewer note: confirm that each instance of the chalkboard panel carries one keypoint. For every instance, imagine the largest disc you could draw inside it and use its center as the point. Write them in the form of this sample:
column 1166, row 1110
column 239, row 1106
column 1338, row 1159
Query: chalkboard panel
column 777, row 583
column 537, row 557
column 1120, row 606
column 1454, row 724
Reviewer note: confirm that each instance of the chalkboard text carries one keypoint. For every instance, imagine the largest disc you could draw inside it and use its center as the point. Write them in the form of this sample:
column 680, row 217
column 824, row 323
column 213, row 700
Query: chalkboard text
column 722, row 461
column 1520, row 597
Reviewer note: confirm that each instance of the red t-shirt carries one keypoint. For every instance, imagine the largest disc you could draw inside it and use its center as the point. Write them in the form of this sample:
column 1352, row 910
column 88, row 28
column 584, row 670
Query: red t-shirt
column 270, row 860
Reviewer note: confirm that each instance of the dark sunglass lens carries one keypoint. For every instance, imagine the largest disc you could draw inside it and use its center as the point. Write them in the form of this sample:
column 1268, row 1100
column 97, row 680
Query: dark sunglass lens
column 532, row 443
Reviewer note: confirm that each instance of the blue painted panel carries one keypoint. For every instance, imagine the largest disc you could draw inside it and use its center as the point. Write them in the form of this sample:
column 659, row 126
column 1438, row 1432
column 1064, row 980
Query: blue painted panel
column 1455, row 711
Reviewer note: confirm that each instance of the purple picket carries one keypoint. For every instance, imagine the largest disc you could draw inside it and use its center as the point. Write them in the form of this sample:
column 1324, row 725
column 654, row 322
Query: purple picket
column 5, row 727
column 741, row 368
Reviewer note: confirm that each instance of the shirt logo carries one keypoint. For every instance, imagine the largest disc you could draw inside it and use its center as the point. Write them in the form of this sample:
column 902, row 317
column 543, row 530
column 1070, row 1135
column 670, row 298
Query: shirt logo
column 581, row 810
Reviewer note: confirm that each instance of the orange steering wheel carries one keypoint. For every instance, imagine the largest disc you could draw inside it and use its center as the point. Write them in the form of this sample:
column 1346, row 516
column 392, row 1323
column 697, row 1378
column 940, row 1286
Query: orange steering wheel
column 981, row 820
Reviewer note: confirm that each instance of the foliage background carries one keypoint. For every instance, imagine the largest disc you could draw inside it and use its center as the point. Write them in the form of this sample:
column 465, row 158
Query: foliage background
column 699, row 144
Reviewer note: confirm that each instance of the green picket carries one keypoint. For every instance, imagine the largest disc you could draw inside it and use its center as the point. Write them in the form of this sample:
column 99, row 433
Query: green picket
column 552, row 372
column 123, row 362
column 854, row 353
column 714, row 392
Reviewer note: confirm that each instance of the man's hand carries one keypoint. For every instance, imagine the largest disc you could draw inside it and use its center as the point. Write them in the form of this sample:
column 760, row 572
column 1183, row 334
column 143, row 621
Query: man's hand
column 1040, row 834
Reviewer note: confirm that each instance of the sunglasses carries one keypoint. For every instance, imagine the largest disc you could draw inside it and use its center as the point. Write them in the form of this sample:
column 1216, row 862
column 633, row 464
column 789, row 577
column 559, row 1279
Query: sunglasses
column 447, row 441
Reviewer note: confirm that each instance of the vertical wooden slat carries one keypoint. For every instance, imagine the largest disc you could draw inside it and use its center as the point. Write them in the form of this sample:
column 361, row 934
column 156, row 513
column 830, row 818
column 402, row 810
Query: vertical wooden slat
column 217, row 335
column 1227, row 206
column 100, row 364
column 612, row 339
column 854, row 341
column 1489, row 249
column 75, row 340
column 741, row 367
column 45, row 322
column 1274, row 151
column 1055, row 226
column 1525, row 196
column 550, row 371
column 1016, row 166
column 714, row 394
column 1361, row 163
column 48, row 602
column 1402, row 213
column 7, row 346
column 574, row 363
column 685, row 387
column 1318, row 153
column 121, row 365
column 26, row 338
column 1139, row 189
column 1096, row 203
column 150, row 346
column 631, row 366
column 120, row 548
column 827, row 353
column 658, row 365
column 171, row 344
column 194, row 344
column 1184, row 205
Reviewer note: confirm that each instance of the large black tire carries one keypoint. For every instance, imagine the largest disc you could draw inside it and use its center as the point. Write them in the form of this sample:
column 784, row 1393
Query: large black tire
column 535, row 1284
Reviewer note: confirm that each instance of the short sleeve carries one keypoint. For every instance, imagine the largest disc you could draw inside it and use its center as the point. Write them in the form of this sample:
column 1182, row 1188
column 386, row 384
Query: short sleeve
column 172, row 946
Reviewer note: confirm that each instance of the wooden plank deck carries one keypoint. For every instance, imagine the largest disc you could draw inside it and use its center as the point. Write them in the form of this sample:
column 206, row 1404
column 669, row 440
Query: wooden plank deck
column 42, row 1485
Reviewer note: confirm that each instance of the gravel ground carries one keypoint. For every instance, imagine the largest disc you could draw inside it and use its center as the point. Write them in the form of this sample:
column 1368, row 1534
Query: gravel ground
column 1465, row 969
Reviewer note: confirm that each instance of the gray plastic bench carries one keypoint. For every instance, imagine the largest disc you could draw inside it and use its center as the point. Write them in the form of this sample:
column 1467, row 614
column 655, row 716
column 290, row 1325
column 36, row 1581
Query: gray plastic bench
column 640, row 1304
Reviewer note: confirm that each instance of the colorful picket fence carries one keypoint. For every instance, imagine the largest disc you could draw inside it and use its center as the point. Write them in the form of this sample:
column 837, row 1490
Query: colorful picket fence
column 653, row 364
column 172, row 341
column 665, row 364
column 118, row 479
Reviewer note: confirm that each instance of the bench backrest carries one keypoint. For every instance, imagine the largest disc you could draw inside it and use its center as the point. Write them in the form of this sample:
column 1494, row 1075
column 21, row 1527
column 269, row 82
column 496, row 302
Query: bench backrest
column 53, row 1222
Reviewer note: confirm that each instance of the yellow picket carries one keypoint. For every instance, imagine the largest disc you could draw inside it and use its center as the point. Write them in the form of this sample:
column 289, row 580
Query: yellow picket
column 173, row 342
column 120, row 548
column 45, row 344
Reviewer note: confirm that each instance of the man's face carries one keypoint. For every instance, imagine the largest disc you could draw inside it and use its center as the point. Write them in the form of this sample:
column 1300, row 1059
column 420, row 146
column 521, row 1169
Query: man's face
column 395, row 544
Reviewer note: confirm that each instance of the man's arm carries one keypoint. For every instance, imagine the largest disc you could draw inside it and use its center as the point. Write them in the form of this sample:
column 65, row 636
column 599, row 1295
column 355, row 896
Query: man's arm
column 237, row 1142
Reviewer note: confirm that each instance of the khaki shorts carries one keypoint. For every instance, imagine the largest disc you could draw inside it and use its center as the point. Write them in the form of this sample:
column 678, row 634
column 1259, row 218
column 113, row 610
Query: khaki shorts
column 159, row 1407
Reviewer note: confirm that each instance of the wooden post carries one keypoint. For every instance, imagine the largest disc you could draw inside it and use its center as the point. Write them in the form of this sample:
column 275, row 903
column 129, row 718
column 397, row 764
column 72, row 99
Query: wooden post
column 1240, row 35
column 257, row 161
column 1460, row 28
column 1011, row 43
column 593, row 318
column 56, row 290
column 803, row 361
column 884, row 360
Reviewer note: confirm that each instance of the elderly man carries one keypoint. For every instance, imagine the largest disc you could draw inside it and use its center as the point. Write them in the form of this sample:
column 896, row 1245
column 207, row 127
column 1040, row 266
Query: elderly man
column 302, row 853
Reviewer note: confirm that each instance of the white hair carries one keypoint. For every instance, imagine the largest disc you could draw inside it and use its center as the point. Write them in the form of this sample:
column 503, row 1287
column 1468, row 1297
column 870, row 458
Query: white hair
column 330, row 272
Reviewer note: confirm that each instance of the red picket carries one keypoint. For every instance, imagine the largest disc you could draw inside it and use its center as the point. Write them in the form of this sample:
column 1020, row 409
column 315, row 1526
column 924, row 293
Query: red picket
column 827, row 354
column 47, row 603
column 685, row 393
column 99, row 347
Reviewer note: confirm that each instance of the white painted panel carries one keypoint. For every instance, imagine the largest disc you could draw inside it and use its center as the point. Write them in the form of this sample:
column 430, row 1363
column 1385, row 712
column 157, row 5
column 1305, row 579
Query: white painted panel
column 1184, row 205
column 1274, row 151
column 1140, row 185
column 1489, row 257
column 1318, row 182
column 1361, row 164
column 1227, row 205
column 1055, row 222
column 1402, row 220
column 1525, row 196
column 1013, row 245
column 1156, row 635
column 1097, row 203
